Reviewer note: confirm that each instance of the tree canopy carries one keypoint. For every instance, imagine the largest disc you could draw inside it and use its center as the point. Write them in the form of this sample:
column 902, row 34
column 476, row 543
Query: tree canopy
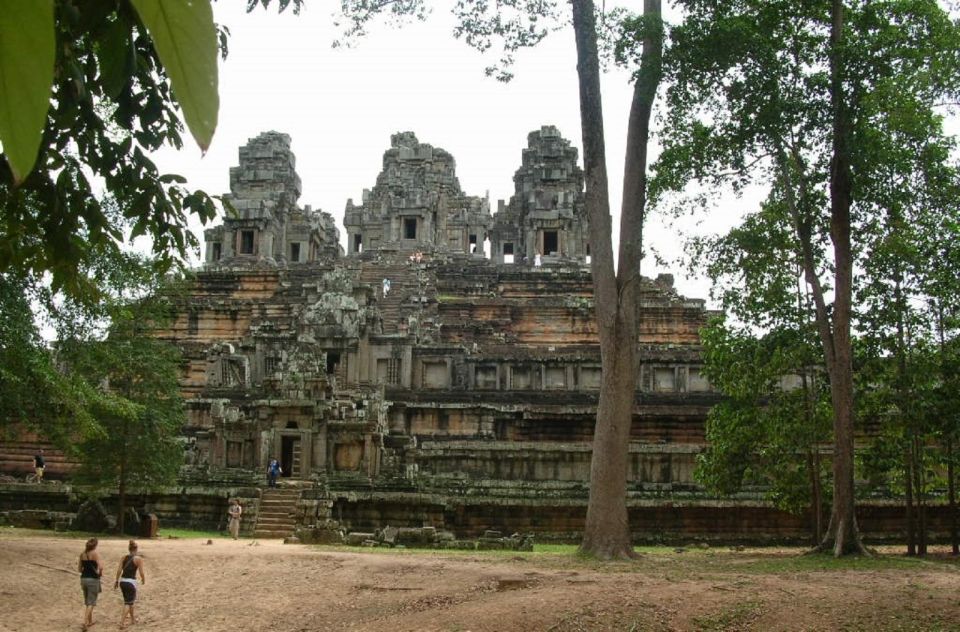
column 833, row 106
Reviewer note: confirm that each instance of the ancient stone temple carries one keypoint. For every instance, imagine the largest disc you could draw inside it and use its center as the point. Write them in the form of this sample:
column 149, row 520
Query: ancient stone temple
column 547, row 213
column 267, row 225
column 413, row 381
column 417, row 203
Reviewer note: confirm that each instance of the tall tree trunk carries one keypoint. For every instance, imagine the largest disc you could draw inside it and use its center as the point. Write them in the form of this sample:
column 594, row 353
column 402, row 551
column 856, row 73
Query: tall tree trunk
column 903, row 405
column 952, row 498
column 616, row 294
column 816, row 496
column 908, row 500
column 951, row 475
column 122, row 485
column 919, row 486
column 122, row 493
column 844, row 536
column 813, row 454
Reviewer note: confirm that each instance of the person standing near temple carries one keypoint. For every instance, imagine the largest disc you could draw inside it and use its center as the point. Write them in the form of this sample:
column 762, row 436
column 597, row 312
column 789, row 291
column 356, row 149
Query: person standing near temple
column 235, row 511
column 273, row 471
column 39, row 464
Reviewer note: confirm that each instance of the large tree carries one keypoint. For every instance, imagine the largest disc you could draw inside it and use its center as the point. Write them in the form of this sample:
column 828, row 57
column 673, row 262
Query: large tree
column 764, row 358
column 781, row 93
column 616, row 291
column 131, row 378
column 521, row 23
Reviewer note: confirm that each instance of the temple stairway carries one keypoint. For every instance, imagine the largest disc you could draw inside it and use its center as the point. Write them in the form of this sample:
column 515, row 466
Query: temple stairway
column 403, row 285
column 277, row 510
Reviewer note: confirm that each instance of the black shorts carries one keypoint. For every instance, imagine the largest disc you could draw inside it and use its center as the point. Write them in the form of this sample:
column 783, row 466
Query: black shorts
column 129, row 591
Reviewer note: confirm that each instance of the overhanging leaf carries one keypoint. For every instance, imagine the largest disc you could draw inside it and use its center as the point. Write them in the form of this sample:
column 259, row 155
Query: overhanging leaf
column 115, row 58
column 185, row 38
column 26, row 74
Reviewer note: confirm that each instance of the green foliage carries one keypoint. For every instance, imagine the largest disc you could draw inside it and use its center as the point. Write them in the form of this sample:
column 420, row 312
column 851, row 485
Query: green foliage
column 775, row 414
column 750, row 104
column 138, row 407
column 107, row 392
column 120, row 72
column 26, row 72
column 185, row 39
column 34, row 393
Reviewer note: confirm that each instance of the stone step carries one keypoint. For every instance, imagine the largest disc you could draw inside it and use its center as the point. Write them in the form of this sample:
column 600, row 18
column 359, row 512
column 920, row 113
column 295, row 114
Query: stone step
column 273, row 501
column 285, row 516
column 277, row 510
column 276, row 535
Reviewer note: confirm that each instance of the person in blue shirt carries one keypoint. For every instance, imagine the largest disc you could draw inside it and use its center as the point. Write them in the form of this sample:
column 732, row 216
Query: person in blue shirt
column 273, row 471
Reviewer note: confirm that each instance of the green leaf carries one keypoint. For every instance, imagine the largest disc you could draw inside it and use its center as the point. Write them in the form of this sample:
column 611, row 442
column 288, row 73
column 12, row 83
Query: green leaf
column 114, row 57
column 185, row 38
column 26, row 76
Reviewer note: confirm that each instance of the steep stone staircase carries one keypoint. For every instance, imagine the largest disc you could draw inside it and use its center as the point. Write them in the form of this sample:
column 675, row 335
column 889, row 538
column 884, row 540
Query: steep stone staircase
column 403, row 285
column 277, row 510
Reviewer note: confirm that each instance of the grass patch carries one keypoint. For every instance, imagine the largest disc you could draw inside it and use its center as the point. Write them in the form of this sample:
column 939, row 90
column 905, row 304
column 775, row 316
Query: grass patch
column 19, row 532
column 823, row 562
column 192, row 534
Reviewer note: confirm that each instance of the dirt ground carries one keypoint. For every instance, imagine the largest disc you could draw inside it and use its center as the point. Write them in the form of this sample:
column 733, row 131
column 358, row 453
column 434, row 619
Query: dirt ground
column 268, row 586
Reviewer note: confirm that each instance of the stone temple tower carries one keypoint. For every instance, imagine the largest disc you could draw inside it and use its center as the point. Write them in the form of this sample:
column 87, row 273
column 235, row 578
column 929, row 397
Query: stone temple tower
column 269, row 227
column 547, row 212
column 417, row 204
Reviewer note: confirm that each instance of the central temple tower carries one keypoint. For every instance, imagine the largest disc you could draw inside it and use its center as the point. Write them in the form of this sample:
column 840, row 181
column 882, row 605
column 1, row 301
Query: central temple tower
column 417, row 204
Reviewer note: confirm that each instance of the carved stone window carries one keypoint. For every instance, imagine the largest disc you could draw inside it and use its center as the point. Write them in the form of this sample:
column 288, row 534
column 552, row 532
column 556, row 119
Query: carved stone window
column 520, row 378
column 555, row 378
column 270, row 365
column 295, row 252
column 590, row 377
column 216, row 251
column 485, row 376
column 410, row 228
column 388, row 370
column 664, row 379
column 246, row 242
column 697, row 381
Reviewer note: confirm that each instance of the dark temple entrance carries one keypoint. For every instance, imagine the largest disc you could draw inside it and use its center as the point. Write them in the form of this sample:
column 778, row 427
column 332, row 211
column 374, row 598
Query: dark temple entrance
column 290, row 456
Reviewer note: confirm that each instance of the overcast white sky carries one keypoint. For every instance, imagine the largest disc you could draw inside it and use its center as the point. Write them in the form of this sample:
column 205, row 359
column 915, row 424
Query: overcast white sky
column 340, row 107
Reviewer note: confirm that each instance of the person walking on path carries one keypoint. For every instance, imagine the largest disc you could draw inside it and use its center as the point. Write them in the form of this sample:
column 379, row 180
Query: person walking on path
column 126, row 580
column 91, row 568
column 235, row 511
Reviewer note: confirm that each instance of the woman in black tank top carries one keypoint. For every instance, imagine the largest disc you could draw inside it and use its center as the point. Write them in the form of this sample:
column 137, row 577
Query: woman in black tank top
column 91, row 568
column 130, row 566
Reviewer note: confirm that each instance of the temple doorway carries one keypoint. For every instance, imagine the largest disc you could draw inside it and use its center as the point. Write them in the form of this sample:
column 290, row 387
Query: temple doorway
column 290, row 456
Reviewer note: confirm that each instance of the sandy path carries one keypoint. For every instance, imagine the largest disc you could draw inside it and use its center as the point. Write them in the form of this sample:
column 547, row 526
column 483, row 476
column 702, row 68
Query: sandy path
column 236, row 587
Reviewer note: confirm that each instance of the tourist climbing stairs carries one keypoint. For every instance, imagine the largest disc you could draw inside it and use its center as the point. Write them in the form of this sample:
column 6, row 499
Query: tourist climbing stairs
column 277, row 515
column 404, row 285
